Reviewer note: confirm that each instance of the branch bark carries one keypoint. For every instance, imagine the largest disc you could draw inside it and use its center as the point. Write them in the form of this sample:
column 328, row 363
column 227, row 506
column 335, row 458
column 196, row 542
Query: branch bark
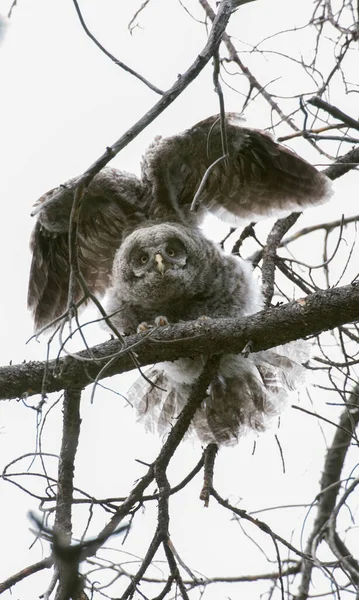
column 318, row 312
column 67, row 568
column 334, row 111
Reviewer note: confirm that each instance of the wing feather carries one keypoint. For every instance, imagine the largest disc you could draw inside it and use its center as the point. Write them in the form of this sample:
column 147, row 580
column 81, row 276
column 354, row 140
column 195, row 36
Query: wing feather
column 113, row 201
column 258, row 179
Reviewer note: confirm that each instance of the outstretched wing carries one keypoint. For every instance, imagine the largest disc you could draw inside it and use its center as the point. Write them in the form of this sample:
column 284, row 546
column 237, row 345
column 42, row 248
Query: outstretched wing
column 113, row 201
column 258, row 177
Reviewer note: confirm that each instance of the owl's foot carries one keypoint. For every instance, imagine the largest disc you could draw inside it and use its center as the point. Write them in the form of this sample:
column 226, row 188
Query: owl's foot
column 159, row 322
column 247, row 349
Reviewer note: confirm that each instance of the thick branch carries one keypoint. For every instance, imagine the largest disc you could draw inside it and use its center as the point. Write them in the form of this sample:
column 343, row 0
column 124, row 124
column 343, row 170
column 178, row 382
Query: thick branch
column 319, row 312
column 69, row 582
column 70, row 438
column 343, row 164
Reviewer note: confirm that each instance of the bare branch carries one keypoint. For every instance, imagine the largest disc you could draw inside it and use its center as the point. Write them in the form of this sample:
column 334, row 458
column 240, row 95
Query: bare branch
column 279, row 229
column 117, row 62
column 319, row 312
column 334, row 111
column 68, row 575
column 45, row 563
column 330, row 483
column 209, row 458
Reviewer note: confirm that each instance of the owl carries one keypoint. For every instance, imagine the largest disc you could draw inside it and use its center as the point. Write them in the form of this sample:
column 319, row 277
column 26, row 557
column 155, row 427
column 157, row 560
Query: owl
column 139, row 242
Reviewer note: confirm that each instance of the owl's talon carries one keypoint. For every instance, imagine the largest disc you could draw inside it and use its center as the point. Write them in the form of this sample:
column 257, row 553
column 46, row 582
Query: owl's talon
column 161, row 321
column 143, row 327
column 247, row 349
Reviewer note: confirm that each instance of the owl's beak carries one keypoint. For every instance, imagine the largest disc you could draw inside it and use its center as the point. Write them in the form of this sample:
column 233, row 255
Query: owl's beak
column 161, row 265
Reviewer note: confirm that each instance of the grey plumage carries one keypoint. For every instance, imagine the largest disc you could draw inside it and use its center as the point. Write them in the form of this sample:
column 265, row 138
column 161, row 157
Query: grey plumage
column 139, row 241
column 196, row 280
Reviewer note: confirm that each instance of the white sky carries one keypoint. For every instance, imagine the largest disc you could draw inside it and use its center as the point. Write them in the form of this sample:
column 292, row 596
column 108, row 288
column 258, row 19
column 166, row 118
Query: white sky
column 62, row 102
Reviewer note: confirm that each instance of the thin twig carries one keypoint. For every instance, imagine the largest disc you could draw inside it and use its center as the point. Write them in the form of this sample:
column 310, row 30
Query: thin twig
column 209, row 458
column 117, row 62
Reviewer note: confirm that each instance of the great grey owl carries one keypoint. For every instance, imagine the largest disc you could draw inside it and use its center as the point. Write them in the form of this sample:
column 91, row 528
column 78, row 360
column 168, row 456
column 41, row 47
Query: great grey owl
column 139, row 241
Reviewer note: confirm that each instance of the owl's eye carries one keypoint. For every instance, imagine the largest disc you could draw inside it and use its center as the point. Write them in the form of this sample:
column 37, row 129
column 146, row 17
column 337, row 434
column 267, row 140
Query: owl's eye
column 170, row 252
column 144, row 258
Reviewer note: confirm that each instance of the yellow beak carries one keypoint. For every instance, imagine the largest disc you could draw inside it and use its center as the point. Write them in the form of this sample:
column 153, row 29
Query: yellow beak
column 160, row 263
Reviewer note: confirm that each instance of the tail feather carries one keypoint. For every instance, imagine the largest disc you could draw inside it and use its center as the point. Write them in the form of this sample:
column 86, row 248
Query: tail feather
column 245, row 394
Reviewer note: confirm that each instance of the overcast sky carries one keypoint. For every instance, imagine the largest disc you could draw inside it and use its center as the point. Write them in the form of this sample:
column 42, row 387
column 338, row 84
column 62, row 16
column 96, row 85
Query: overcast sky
column 62, row 102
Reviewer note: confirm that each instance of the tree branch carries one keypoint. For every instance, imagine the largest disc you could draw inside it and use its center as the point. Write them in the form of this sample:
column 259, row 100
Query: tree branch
column 334, row 111
column 343, row 164
column 174, row 438
column 275, row 236
column 330, row 484
column 69, row 581
column 117, row 62
column 45, row 563
column 319, row 312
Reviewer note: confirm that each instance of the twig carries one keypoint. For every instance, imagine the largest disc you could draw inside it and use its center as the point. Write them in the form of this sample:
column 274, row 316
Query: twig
column 305, row 132
column 117, row 62
column 334, row 111
column 196, row 200
column 158, row 471
column 209, row 458
column 142, row 7
column 222, row 110
column 253, row 82
column 336, row 545
column 13, row 5
column 174, row 438
column 326, row 226
column 247, row 232
column 257, row 522
column 45, row 563
column 182, row 484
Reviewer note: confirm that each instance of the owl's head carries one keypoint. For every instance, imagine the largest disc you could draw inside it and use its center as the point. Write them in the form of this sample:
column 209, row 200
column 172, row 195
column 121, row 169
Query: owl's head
column 158, row 262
